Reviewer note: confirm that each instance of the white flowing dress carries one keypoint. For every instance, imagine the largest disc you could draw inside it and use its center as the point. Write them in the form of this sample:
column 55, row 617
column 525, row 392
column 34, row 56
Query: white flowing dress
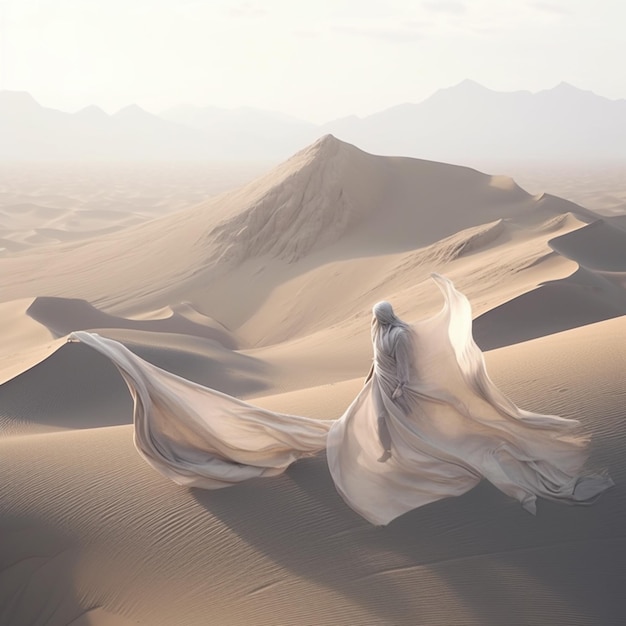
column 449, row 428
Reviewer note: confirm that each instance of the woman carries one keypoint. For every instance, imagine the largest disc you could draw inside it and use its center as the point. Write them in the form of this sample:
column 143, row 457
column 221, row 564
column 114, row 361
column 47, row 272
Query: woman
column 441, row 425
column 428, row 424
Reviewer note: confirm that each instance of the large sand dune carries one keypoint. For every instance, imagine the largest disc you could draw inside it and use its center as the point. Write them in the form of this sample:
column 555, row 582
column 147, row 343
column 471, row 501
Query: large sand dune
column 331, row 199
column 265, row 293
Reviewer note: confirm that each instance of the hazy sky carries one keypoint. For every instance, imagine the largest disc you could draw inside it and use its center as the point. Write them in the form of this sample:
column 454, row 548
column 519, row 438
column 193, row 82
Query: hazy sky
column 316, row 60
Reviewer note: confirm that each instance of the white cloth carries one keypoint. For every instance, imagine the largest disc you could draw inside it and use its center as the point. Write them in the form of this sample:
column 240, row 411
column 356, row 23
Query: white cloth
column 429, row 401
column 200, row 437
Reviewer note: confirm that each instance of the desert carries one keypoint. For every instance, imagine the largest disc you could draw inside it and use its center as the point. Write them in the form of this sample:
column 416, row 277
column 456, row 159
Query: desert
column 264, row 292
column 312, row 313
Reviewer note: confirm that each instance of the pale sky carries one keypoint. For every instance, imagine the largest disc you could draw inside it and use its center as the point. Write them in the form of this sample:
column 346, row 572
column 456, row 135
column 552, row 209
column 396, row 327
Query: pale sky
column 316, row 60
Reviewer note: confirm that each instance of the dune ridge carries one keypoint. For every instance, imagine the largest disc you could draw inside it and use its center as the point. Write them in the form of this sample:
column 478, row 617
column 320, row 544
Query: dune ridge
column 62, row 315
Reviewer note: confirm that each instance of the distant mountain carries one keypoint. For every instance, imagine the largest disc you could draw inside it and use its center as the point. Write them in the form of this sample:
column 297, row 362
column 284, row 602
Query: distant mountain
column 30, row 132
column 247, row 133
column 469, row 122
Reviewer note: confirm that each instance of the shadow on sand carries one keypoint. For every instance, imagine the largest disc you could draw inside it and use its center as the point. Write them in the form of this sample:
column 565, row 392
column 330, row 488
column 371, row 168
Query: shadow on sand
column 479, row 558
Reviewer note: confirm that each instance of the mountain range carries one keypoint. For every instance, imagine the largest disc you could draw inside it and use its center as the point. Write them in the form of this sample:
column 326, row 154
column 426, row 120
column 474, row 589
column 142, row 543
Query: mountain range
column 467, row 123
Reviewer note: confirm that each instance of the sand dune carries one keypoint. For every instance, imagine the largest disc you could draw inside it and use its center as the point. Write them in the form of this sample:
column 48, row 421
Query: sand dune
column 330, row 197
column 582, row 298
column 265, row 293
column 61, row 316
column 594, row 292
column 63, row 368
column 598, row 246
column 287, row 550
column 24, row 341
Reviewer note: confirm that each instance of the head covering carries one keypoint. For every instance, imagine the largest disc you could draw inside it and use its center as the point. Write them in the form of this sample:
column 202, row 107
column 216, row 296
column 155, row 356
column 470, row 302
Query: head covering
column 384, row 321
column 383, row 313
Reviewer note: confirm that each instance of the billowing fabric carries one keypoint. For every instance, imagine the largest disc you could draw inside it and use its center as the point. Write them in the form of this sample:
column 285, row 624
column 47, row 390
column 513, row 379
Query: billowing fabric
column 428, row 424
column 449, row 427
column 200, row 437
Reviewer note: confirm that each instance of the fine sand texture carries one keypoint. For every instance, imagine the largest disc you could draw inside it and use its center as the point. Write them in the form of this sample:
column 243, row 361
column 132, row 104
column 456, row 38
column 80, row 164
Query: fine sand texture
column 265, row 293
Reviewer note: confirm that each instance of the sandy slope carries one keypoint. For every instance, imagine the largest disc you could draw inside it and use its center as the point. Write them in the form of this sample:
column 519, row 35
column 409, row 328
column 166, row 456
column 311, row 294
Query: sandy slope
column 265, row 293
column 87, row 519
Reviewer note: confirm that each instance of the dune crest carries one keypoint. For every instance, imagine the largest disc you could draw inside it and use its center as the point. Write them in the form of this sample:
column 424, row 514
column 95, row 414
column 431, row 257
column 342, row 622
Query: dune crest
column 318, row 195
